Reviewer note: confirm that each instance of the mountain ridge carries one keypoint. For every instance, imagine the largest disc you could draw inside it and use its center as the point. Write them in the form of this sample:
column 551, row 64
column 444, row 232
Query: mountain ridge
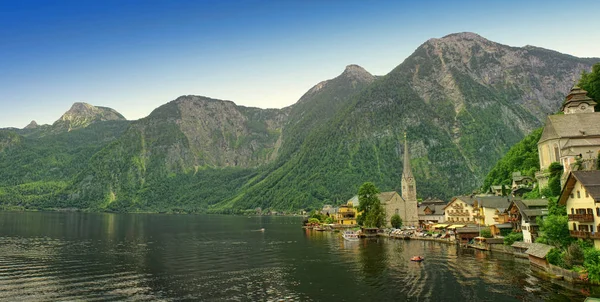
column 462, row 99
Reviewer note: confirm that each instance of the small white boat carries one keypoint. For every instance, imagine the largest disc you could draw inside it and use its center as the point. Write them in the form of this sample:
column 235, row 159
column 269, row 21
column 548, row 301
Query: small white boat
column 350, row 236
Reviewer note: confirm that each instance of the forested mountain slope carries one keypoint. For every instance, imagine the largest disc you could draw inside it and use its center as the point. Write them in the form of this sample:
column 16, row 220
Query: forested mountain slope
column 462, row 100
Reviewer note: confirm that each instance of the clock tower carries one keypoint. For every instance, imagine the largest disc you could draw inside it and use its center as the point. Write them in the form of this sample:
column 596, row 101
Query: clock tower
column 409, row 190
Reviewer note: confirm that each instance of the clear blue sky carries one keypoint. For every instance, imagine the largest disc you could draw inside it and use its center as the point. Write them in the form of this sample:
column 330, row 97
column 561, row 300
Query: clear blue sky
column 134, row 56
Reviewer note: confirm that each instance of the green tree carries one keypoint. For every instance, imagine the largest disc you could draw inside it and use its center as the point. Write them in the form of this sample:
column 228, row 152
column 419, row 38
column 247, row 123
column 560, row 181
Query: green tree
column 556, row 171
column 554, row 230
column 591, row 83
column 487, row 233
column 370, row 205
column 512, row 237
column 592, row 264
column 396, row 221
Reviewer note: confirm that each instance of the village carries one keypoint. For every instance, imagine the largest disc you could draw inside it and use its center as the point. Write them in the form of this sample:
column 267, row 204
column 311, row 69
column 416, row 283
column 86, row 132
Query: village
column 502, row 219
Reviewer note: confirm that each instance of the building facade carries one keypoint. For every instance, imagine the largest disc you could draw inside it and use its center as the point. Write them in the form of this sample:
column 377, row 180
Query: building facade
column 581, row 196
column 572, row 138
column 409, row 190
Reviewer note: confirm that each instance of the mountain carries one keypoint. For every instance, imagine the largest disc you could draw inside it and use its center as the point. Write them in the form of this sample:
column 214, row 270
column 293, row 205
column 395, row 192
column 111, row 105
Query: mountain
column 31, row 125
column 37, row 163
column 462, row 101
column 82, row 115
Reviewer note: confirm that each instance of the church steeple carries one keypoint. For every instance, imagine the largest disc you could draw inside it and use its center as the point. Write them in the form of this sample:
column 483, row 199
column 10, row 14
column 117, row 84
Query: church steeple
column 409, row 189
column 578, row 102
column 406, row 172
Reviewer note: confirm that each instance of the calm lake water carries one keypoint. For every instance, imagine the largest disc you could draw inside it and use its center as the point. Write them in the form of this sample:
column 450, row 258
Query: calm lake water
column 96, row 256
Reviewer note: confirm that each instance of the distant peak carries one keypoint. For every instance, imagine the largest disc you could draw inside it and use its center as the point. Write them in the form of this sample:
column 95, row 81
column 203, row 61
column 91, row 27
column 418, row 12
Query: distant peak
column 32, row 125
column 79, row 106
column 460, row 37
column 356, row 72
column 465, row 35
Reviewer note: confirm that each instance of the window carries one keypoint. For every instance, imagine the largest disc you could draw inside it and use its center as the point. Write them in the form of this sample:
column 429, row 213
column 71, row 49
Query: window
column 556, row 154
column 590, row 211
column 571, row 195
column 574, row 226
column 572, row 211
column 578, row 194
column 598, row 212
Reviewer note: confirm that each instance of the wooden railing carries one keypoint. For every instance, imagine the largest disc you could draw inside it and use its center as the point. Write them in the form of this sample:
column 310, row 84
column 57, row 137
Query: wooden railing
column 581, row 217
column 580, row 234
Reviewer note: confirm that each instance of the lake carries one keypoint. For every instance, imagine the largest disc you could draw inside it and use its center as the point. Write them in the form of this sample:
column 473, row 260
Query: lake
column 99, row 256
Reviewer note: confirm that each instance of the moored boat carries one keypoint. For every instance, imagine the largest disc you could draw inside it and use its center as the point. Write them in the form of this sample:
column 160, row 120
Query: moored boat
column 350, row 236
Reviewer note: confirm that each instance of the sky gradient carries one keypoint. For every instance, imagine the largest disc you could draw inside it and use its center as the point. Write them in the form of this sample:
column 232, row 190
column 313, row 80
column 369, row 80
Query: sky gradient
column 134, row 56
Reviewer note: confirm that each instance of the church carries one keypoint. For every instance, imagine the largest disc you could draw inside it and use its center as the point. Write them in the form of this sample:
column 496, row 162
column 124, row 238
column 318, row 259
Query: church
column 406, row 205
column 571, row 138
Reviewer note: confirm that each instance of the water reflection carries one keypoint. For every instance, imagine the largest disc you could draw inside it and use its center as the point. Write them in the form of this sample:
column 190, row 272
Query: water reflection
column 80, row 256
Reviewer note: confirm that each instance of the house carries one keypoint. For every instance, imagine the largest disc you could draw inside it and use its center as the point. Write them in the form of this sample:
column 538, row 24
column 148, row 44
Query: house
column 482, row 210
column 431, row 211
column 346, row 214
column 581, row 196
column 329, row 210
column 537, row 254
column 521, row 184
column 572, row 138
column 521, row 247
column 497, row 190
column 523, row 216
column 465, row 234
column 501, row 229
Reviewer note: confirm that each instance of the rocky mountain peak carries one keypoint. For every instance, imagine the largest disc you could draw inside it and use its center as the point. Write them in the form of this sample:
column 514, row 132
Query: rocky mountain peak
column 356, row 72
column 83, row 114
column 32, row 125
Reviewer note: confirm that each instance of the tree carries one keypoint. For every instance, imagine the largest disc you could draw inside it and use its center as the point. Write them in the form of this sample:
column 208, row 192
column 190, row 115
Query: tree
column 590, row 82
column 555, row 231
column 556, row 171
column 370, row 206
column 396, row 221
column 487, row 233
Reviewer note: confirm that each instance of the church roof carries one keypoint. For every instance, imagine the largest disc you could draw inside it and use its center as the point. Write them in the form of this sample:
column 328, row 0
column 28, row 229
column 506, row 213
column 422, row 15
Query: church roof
column 384, row 197
column 571, row 125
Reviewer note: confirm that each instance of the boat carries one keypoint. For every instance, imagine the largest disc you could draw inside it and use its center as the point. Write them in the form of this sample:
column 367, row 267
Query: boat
column 350, row 236
column 417, row 258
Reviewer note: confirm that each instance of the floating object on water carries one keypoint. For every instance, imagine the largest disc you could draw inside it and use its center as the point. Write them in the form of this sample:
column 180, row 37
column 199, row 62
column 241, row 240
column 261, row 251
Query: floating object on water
column 350, row 236
column 417, row 258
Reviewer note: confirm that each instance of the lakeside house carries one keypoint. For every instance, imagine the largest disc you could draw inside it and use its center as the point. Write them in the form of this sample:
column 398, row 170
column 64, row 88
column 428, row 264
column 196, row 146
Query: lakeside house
column 481, row 210
column 346, row 214
column 537, row 254
column 431, row 211
column 581, row 196
column 571, row 138
column 523, row 216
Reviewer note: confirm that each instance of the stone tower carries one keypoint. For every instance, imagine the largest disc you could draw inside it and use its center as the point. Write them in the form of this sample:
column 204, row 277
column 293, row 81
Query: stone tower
column 409, row 190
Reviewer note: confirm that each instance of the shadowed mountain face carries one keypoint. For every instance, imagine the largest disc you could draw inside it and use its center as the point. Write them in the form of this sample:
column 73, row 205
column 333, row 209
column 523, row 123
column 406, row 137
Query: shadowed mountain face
column 462, row 100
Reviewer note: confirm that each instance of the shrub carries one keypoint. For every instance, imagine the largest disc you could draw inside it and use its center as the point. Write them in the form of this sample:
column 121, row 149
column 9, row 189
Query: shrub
column 592, row 264
column 512, row 237
column 555, row 256
column 396, row 221
column 487, row 233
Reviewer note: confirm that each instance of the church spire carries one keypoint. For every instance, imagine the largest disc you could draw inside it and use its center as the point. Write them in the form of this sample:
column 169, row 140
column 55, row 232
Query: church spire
column 406, row 172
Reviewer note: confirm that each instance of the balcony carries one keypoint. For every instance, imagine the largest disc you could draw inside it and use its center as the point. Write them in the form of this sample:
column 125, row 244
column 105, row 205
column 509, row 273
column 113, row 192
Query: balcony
column 580, row 234
column 581, row 217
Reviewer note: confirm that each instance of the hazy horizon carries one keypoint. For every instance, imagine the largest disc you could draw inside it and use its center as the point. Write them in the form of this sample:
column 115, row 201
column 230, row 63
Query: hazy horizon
column 134, row 56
